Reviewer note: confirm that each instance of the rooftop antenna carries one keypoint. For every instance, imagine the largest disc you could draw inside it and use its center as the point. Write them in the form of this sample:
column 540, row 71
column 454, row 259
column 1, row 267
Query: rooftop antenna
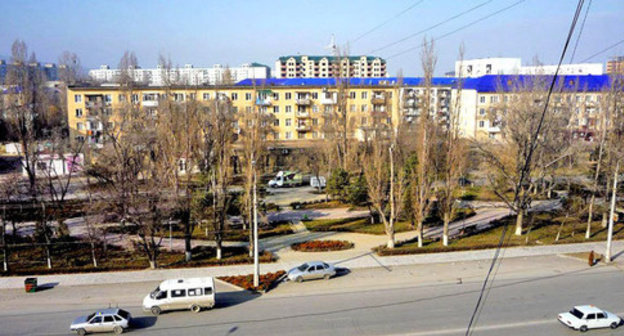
column 332, row 45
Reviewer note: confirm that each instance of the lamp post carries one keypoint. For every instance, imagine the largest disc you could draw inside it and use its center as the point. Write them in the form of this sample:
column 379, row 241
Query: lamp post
column 256, row 279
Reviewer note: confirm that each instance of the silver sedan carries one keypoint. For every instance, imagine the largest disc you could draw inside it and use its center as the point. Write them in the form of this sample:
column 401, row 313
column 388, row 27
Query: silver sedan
column 312, row 270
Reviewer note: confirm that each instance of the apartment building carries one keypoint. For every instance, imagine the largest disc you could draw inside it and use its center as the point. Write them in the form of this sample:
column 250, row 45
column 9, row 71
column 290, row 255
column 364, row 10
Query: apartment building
column 299, row 107
column 186, row 75
column 615, row 65
column 327, row 67
column 473, row 68
column 484, row 101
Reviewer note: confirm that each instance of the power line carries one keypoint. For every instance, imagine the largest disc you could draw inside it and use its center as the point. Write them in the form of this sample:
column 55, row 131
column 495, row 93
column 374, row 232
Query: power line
column 431, row 27
column 525, row 169
column 603, row 50
column 578, row 38
column 388, row 20
column 461, row 28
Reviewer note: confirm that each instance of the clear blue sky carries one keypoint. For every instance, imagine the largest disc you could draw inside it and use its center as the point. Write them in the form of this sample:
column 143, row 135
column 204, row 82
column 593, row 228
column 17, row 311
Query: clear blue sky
column 234, row 32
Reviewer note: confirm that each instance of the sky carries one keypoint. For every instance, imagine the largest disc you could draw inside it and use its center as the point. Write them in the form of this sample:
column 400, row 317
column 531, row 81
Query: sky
column 232, row 32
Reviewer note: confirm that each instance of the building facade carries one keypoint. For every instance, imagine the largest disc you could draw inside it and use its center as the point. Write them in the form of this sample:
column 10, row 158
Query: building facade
column 513, row 66
column 615, row 65
column 187, row 75
column 327, row 67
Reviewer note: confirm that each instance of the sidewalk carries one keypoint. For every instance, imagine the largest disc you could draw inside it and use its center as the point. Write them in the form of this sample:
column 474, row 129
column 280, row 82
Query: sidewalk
column 365, row 260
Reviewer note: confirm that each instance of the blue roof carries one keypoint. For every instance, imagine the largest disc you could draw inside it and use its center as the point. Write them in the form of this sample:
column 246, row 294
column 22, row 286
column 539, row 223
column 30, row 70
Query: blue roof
column 381, row 81
column 488, row 83
column 508, row 83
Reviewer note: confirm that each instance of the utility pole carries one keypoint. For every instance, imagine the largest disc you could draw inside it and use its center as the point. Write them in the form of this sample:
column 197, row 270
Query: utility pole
column 256, row 279
column 612, row 212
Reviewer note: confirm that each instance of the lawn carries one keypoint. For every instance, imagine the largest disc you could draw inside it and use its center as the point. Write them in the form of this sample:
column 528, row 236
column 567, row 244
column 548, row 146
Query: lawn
column 542, row 232
column 363, row 225
column 75, row 257
column 200, row 233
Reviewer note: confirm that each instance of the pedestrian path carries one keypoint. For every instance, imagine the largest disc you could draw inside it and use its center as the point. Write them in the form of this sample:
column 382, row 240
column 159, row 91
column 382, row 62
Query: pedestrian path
column 364, row 260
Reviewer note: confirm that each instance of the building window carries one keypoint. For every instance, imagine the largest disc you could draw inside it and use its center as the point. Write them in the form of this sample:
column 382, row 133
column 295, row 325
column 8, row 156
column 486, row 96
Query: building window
column 79, row 112
column 364, row 95
column 363, row 121
column 135, row 99
column 275, row 95
column 288, row 135
column 314, row 95
column 234, row 96
column 275, row 109
column 314, row 135
column 482, row 111
column 364, row 108
column 206, row 96
column 314, row 121
column 77, row 98
column 493, row 99
column 482, row 99
column 288, row 95
column 288, row 122
column 80, row 126
column 247, row 96
column 352, row 94
column 248, row 109
column 192, row 96
column 315, row 108
column 108, row 98
column 288, row 108
column 276, row 122
column 301, row 135
column 481, row 123
column 276, row 135
column 121, row 98
column 352, row 108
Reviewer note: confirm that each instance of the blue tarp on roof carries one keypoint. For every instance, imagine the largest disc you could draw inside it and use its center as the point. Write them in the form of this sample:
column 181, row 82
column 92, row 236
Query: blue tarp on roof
column 508, row 83
column 382, row 81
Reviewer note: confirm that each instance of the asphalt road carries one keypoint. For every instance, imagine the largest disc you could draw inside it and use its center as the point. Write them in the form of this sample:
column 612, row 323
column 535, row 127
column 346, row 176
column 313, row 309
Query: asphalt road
column 515, row 306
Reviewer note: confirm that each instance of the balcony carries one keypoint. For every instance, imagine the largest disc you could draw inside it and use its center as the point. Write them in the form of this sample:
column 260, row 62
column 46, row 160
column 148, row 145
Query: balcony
column 93, row 104
column 303, row 101
column 303, row 128
column 379, row 114
column 303, row 114
column 150, row 103
column 328, row 100
column 410, row 102
column 263, row 101
column 378, row 100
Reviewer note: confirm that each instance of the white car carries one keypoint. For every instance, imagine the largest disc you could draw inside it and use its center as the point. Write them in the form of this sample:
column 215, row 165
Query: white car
column 589, row 317
column 105, row 320
column 312, row 270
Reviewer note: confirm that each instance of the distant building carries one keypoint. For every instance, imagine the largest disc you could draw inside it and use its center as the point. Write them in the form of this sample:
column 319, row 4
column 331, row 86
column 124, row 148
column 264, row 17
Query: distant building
column 513, row 66
column 615, row 65
column 50, row 70
column 325, row 66
column 187, row 75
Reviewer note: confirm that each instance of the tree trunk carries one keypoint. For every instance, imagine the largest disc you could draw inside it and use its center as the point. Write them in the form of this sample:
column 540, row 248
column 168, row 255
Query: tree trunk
column 561, row 228
column 95, row 264
column 590, row 215
column 188, row 254
column 48, row 257
column 152, row 263
column 5, row 249
column 519, row 222
column 605, row 218
column 419, row 232
column 445, row 229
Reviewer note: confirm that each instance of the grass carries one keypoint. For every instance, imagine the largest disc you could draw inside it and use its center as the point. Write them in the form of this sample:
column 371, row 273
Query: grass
column 200, row 233
column 75, row 257
column 542, row 232
column 479, row 193
column 359, row 225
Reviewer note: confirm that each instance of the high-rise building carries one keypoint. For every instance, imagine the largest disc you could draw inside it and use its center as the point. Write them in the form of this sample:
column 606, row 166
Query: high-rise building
column 615, row 65
column 327, row 67
column 513, row 66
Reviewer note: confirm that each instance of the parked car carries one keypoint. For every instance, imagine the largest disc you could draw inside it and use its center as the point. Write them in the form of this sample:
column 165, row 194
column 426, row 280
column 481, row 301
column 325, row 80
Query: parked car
column 104, row 320
column 286, row 179
column 589, row 317
column 312, row 270
column 318, row 182
column 192, row 293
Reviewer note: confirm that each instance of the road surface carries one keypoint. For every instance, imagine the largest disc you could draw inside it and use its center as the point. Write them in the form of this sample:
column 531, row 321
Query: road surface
column 523, row 301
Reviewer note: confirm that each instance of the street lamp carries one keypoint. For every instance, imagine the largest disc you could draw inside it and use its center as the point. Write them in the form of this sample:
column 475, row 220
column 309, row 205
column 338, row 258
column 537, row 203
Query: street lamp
column 256, row 279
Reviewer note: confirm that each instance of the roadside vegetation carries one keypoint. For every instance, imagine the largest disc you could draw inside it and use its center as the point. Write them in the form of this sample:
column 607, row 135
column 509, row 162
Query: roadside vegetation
column 322, row 246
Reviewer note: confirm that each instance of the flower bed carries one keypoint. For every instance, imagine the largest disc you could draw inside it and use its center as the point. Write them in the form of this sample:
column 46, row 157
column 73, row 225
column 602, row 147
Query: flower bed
column 322, row 246
column 246, row 281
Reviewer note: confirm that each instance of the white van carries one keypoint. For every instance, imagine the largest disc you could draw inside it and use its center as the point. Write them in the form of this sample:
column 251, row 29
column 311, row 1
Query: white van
column 192, row 293
column 317, row 182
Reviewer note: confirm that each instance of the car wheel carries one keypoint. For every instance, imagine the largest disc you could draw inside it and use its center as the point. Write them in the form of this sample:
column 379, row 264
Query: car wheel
column 118, row 330
column 299, row 279
column 195, row 308
column 614, row 325
column 583, row 328
column 81, row 332
column 327, row 276
column 156, row 310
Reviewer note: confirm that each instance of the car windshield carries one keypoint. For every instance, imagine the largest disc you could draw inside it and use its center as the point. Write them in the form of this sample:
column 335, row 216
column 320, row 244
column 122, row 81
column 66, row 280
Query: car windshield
column 303, row 267
column 155, row 292
column 123, row 313
column 576, row 313
column 90, row 317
